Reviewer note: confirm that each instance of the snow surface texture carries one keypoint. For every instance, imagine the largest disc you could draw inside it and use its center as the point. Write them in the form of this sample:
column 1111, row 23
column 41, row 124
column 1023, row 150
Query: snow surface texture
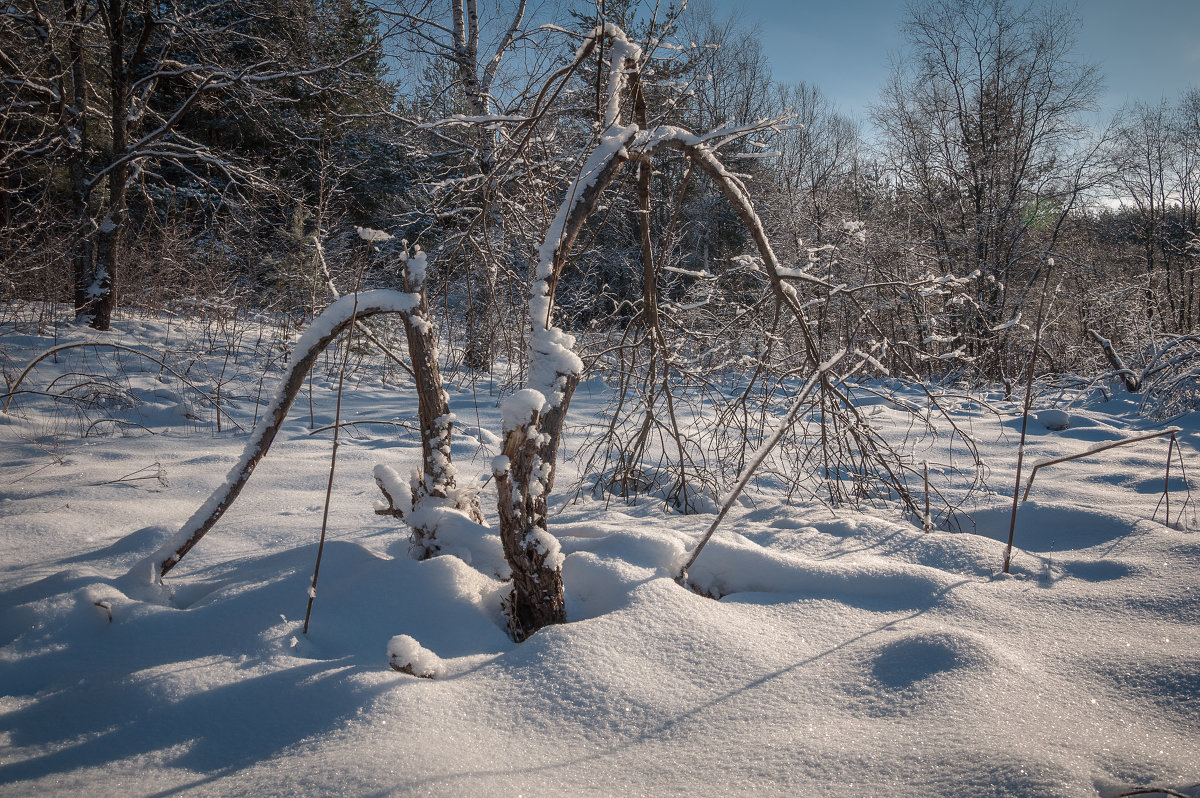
column 844, row 655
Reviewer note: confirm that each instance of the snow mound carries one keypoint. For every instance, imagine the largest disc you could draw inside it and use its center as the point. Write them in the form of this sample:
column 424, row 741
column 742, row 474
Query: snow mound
column 1044, row 527
column 520, row 407
column 920, row 658
column 459, row 536
column 1054, row 419
column 730, row 565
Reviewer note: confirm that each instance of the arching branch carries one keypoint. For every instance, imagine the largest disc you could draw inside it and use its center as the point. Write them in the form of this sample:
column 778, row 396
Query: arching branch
column 323, row 331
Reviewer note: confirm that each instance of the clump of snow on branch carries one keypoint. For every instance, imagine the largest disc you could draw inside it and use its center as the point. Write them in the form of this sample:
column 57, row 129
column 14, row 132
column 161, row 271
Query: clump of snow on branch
column 372, row 235
column 517, row 409
column 855, row 230
column 418, row 265
column 546, row 545
column 397, row 491
column 408, row 656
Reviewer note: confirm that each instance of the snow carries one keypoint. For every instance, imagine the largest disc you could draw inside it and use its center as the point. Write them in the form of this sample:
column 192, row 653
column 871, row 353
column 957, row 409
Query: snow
column 1055, row 419
column 409, row 656
column 372, row 235
column 819, row 651
column 546, row 545
column 390, row 482
column 518, row 409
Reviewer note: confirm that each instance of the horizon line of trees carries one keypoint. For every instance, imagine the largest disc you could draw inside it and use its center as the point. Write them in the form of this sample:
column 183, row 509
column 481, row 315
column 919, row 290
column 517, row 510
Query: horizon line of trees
column 226, row 151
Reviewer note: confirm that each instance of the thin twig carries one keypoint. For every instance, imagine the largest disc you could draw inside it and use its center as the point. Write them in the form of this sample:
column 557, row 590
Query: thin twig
column 402, row 424
column 118, row 347
column 337, row 415
column 1037, row 340
column 1103, row 447
column 159, row 474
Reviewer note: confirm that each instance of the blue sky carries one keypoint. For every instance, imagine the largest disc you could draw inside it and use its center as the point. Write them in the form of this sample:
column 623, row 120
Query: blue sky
column 1146, row 49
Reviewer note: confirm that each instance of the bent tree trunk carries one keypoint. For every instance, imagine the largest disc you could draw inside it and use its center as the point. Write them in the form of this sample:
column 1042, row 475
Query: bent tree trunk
column 324, row 329
column 1133, row 383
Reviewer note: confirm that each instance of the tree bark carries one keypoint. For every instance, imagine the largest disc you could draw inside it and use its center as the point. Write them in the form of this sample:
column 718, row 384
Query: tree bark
column 1133, row 383
column 537, row 598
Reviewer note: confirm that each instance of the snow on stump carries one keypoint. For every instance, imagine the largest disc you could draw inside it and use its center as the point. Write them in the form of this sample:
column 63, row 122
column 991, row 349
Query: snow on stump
column 1054, row 420
column 408, row 656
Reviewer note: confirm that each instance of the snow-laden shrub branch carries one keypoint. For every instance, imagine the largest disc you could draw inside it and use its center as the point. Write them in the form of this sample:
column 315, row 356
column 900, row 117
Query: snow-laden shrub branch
column 323, row 330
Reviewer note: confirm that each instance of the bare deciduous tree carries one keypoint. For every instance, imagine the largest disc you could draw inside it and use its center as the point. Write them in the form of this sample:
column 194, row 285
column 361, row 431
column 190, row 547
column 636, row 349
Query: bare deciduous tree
column 983, row 129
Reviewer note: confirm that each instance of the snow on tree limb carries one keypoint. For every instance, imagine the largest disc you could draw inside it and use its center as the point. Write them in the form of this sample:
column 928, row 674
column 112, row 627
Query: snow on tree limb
column 324, row 329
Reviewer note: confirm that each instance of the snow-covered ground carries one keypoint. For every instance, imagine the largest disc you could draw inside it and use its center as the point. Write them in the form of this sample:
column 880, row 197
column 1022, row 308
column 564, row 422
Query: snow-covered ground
column 847, row 654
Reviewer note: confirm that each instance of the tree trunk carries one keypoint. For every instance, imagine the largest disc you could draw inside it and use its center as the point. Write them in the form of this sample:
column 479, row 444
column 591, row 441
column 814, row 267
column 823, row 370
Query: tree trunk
column 537, row 594
column 102, row 292
column 77, row 129
column 438, row 478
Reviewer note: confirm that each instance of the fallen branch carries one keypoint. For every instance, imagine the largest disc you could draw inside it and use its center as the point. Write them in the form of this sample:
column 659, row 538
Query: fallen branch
column 1103, row 447
column 92, row 426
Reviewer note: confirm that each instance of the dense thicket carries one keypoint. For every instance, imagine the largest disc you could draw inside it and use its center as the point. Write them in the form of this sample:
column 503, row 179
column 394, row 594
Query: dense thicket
column 215, row 149
column 159, row 144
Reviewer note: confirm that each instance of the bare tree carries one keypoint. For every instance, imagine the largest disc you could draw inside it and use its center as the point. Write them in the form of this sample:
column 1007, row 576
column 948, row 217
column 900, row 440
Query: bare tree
column 463, row 49
column 818, row 154
column 983, row 129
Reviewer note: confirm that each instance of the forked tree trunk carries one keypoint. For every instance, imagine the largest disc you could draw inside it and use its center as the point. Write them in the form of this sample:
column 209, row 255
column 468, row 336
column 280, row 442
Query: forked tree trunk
column 532, row 553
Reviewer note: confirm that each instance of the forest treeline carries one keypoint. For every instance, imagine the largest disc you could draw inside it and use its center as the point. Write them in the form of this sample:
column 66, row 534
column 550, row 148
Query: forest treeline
column 221, row 155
